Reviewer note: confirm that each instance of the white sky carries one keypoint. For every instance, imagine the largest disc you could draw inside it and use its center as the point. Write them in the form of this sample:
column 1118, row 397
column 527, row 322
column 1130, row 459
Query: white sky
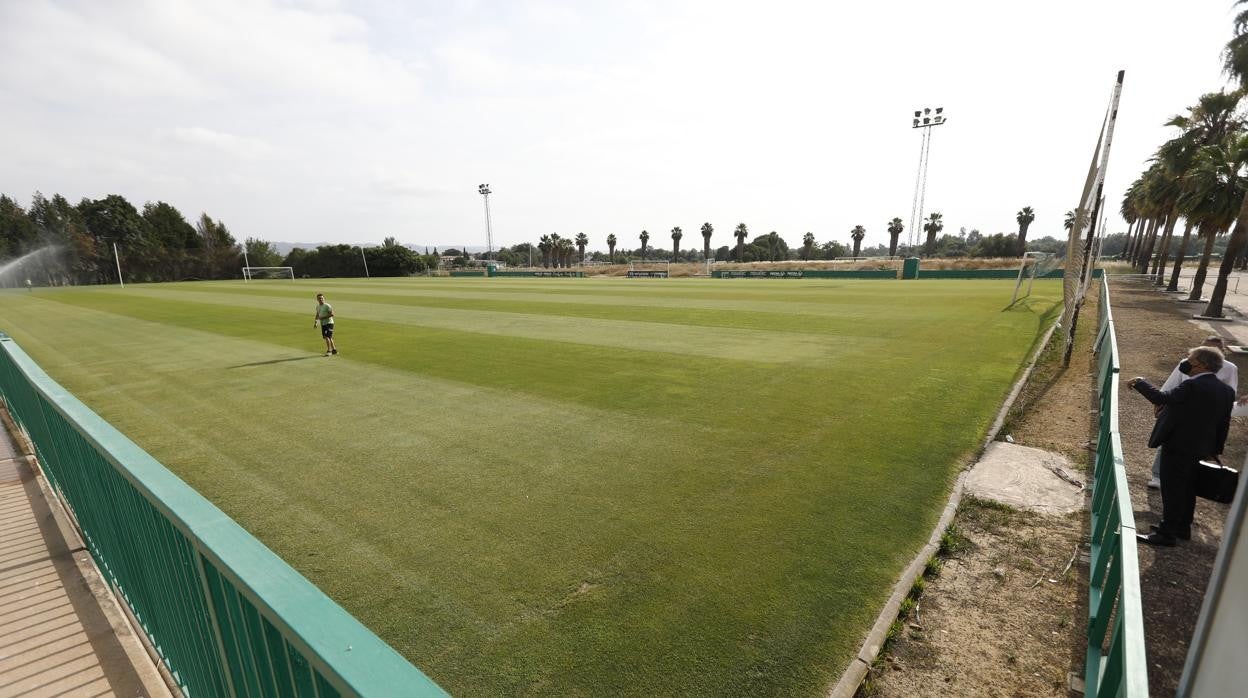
column 349, row 121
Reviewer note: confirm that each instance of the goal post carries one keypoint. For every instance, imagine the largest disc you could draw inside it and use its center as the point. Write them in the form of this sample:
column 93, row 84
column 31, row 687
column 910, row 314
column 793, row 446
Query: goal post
column 1041, row 264
column 250, row 273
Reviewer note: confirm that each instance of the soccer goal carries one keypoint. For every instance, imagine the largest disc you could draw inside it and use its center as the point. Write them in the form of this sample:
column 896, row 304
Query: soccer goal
column 258, row 273
column 1033, row 265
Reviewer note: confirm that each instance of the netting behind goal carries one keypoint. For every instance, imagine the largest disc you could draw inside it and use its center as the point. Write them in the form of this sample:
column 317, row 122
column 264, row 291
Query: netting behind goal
column 258, row 273
column 1035, row 265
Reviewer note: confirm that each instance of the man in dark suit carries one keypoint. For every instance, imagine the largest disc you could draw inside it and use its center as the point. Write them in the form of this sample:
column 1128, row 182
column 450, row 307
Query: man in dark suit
column 1192, row 425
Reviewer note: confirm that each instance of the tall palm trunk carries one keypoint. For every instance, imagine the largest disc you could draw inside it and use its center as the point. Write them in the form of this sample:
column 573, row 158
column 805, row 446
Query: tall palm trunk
column 1139, row 248
column 1202, row 269
column 1022, row 238
column 1163, row 250
column 1126, row 251
column 1140, row 225
column 1178, row 256
column 1233, row 249
column 892, row 244
column 1146, row 252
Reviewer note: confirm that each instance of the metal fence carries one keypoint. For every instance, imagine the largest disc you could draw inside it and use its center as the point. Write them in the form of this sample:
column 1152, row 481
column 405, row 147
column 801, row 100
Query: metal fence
column 225, row 615
column 1115, row 664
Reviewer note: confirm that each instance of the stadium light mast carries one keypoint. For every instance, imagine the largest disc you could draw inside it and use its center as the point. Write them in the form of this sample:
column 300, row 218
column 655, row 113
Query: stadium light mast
column 924, row 119
column 484, row 190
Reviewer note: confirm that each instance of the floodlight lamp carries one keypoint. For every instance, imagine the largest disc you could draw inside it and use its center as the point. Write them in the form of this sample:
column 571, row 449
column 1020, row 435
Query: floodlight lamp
column 917, row 114
column 927, row 110
column 926, row 120
column 916, row 123
column 939, row 109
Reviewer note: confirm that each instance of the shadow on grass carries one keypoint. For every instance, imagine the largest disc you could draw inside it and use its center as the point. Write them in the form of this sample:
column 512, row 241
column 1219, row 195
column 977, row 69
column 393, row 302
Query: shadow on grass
column 274, row 361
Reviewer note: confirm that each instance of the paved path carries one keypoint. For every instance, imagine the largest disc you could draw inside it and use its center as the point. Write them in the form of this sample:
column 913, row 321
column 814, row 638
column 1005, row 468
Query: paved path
column 55, row 637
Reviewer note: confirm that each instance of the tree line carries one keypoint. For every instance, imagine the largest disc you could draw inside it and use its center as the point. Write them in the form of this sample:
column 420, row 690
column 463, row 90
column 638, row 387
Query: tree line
column 558, row 251
column 84, row 243
column 1196, row 177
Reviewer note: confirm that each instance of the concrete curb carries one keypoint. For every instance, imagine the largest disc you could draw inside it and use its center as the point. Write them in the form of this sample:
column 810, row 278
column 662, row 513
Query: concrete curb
column 847, row 685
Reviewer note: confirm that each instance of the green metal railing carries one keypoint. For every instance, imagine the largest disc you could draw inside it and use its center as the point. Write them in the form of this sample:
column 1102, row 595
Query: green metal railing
column 1115, row 663
column 225, row 615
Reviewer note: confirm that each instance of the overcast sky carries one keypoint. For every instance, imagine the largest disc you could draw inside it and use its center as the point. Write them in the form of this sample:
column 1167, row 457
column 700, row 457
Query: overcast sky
column 347, row 121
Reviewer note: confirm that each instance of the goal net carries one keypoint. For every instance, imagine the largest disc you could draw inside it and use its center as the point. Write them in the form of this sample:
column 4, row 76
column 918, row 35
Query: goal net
column 1035, row 265
column 257, row 273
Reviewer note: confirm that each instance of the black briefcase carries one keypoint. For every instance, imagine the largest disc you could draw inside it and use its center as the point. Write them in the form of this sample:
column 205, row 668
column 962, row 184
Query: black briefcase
column 1216, row 482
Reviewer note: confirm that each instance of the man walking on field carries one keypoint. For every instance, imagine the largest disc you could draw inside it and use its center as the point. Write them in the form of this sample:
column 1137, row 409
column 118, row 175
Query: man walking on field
column 325, row 318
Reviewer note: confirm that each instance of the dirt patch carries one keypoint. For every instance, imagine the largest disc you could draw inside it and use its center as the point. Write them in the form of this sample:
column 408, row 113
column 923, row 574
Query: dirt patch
column 1006, row 614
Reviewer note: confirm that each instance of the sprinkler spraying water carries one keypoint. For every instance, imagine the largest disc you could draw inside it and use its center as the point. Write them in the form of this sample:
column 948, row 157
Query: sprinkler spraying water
column 35, row 267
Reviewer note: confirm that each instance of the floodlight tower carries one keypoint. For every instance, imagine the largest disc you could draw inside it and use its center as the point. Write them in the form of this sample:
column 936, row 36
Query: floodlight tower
column 484, row 190
column 925, row 119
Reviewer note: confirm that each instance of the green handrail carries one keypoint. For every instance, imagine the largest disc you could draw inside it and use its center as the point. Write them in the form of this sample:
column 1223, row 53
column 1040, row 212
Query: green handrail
column 226, row 616
column 1116, row 664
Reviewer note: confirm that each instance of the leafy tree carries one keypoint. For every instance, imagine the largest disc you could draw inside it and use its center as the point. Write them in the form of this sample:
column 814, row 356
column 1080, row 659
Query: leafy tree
column 1024, row 217
column 857, row 234
column 645, row 238
column 833, row 250
column 393, row 260
column 676, row 235
column 262, row 253
column 895, row 229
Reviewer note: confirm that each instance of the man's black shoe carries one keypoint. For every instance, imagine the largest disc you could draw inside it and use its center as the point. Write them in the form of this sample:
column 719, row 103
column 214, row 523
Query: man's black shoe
column 1155, row 538
column 1181, row 535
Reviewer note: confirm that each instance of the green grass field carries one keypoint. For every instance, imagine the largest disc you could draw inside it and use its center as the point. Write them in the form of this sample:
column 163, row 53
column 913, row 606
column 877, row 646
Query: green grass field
column 572, row 486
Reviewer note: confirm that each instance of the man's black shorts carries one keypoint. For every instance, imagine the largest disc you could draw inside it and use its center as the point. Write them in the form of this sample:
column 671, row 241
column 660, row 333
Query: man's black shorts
column 327, row 331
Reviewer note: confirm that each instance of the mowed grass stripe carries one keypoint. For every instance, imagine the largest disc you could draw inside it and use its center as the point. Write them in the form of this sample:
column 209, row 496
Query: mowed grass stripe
column 845, row 305
column 691, row 525
column 713, row 342
column 806, row 318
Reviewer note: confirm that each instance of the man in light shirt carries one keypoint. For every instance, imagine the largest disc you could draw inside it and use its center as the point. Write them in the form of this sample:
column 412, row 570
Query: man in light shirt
column 1229, row 374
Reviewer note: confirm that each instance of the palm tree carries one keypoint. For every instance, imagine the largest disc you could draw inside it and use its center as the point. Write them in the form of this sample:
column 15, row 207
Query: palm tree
column 565, row 252
column 581, row 241
column 706, row 240
column 556, row 249
column 858, row 233
column 895, row 229
column 1212, row 189
column 740, row 233
column 808, row 245
column 1129, row 214
column 1236, row 64
column 932, row 227
column 1069, row 221
column 544, row 246
column 1024, row 218
column 645, row 239
column 611, row 247
column 677, row 234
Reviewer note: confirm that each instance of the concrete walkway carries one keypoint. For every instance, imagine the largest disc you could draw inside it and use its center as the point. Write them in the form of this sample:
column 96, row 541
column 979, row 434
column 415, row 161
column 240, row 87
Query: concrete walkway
column 58, row 635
